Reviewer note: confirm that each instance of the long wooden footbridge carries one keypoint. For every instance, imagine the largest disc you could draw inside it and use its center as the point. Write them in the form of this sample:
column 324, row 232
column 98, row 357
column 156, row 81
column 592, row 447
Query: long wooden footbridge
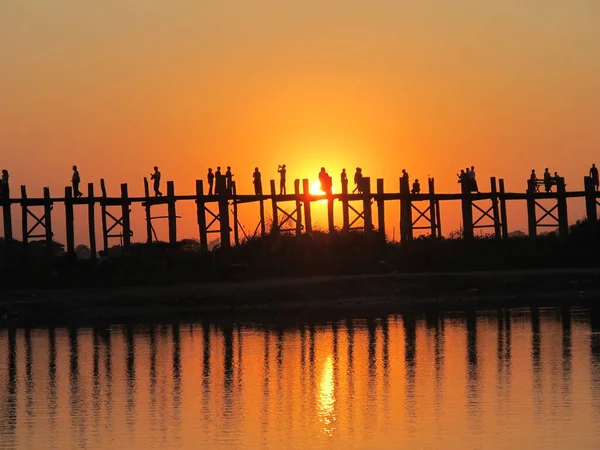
column 219, row 213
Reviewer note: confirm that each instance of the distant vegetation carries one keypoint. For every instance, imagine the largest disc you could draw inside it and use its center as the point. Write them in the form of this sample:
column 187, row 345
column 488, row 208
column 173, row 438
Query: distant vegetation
column 318, row 253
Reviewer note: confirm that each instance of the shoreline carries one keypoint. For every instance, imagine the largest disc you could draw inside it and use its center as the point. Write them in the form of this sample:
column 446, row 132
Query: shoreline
column 301, row 298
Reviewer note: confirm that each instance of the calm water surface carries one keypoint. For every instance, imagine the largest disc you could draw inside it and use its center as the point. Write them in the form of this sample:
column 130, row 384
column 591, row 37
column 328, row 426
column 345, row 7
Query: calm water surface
column 510, row 379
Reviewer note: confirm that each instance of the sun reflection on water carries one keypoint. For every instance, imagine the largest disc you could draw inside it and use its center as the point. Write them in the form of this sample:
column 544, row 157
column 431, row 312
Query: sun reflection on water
column 326, row 399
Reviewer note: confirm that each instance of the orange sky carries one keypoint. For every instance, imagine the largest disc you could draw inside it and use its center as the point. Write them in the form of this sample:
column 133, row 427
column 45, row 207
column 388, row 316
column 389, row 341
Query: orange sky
column 119, row 86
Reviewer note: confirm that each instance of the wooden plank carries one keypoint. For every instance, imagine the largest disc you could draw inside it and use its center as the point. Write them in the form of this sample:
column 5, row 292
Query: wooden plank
column 306, row 201
column 70, row 222
column 495, row 209
column 591, row 206
column 298, row 207
column 467, row 210
column 103, row 217
column 503, row 213
column 201, row 216
column 380, row 209
column 406, row 221
column 48, row 221
column 7, row 213
column 224, row 218
column 236, row 235
column 125, row 216
column 345, row 209
column 275, row 224
column 432, row 207
column 24, row 216
column 92, row 220
column 367, row 205
column 172, row 212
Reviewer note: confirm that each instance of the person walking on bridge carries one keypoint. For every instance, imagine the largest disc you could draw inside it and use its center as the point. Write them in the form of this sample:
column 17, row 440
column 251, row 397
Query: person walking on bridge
column 156, row 177
column 358, row 176
column 594, row 175
column 75, row 180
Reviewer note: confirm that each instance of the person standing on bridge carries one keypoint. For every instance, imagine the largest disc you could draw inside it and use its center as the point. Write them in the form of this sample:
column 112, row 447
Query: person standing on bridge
column 218, row 181
column 229, row 180
column 257, row 182
column 4, row 187
column 473, row 181
column 210, row 177
column 156, row 177
column 358, row 176
column 282, row 172
column 344, row 178
column 547, row 180
column 325, row 180
column 75, row 180
column 594, row 175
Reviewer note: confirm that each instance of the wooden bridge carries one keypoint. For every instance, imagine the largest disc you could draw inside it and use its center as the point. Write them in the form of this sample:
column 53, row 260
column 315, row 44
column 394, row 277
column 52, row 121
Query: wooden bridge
column 219, row 213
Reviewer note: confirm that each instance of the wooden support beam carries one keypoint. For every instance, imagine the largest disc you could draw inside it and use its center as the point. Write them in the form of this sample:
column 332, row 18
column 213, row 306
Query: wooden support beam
column 171, row 213
column 298, row 207
column 92, row 220
column 432, row 208
column 148, row 211
column 24, row 215
column 503, row 214
column 531, row 216
column 236, row 235
column 367, row 205
column 70, row 222
column 380, row 209
column 6, row 210
column 224, row 216
column 261, row 207
column 406, row 222
column 591, row 206
column 467, row 210
column 330, row 213
column 495, row 209
column 275, row 224
column 201, row 216
column 307, row 213
column 345, row 210
column 48, row 221
column 563, row 219
column 125, row 216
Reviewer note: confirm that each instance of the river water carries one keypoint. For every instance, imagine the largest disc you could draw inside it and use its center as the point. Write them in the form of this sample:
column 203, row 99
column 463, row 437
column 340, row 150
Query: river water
column 525, row 379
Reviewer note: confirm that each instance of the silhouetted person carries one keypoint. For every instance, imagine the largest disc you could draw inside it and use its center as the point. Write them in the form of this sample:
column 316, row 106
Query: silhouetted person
column 461, row 176
column 416, row 187
column 594, row 175
column 210, row 177
column 547, row 180
column 325, row 180
column 228, row 180
column 533, row 176
column 473, row 180
column 156, row 177
column 257, row 182
column 218, row 181
column 5, row 189
column 282, row 172
column 344, row 178
column 358, row 176
column 75, row 180
column 404, row 175
column 534, row 181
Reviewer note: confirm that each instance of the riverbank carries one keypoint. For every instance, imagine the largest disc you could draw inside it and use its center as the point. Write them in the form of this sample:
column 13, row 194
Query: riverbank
column 300, row 297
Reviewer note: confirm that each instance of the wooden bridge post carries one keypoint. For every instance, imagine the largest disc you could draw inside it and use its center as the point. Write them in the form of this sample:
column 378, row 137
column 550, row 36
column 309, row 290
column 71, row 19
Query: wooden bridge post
column 380, row 209
column 563, row 220
column 406, row 225
column 298, row 207
column 171, row 212
column 531, row 216
column 125, row 211
column 224, row 216
column 432, row 208
column 70, row 222
column 367, row 205
column 591, row 207
column 24, row 215
column 201, row 216
column 6, row 209
column 148, row 211
column 503, row 214
column 495, row 208
column 48, row 220
column 345, row 209
column 467, row 211
column 275, row 224
column 330, row 214
column 236, row 235
column 103, row 218
column 92, row 220
column 261, row 206
column 307, row 215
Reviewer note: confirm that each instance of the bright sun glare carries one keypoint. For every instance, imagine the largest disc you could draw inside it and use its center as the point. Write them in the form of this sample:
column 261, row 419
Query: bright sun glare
column 315, row 189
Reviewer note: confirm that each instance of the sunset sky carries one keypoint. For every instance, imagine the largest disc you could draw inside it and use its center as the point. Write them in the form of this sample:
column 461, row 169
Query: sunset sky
column 117, row 87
